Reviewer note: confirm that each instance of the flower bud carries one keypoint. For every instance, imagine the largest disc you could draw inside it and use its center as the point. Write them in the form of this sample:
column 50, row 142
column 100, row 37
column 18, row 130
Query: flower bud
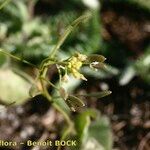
column 98, row 94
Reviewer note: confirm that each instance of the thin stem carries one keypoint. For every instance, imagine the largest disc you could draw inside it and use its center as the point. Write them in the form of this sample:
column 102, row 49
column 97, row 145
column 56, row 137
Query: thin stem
column 60, row 76
column 67, row 32
column 46, row 94
column 60, row 42
column 50, row 83
column 68, row 130
column 48, row 62
column 17, row 58
column 44, row 89
column 4, row 4
column 66, row 116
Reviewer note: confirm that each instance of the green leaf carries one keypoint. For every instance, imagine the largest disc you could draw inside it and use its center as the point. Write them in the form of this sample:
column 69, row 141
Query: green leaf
column 82, row 123
column 4, row 3
column 99, row 135
column 23, row 10
column 13, row 88
column 127, row 75
column 142, row 65
column 93, row 135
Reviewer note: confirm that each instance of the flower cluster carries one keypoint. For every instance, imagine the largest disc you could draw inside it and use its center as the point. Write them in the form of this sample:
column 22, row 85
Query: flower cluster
column 75, row 63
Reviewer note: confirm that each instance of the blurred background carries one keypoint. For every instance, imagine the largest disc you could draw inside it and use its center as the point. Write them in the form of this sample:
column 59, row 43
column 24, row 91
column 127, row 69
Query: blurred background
column 119, row 30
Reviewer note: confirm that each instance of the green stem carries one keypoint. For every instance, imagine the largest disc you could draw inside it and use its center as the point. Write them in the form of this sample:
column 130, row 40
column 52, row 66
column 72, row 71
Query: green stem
column 60, row 42
column 67, row 32
column 68, row 120
column 66, row 116
column 44, row 68
column 50, row 83
column 66, row 132
column 17, row 58
column 60, row 75
column 44, row 89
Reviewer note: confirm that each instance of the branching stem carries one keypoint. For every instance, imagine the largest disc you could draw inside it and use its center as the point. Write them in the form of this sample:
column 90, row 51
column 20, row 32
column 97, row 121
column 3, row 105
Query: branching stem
column 48, row 62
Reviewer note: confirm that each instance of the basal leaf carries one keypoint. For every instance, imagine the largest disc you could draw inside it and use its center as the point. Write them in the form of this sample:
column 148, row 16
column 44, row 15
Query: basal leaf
column 13, row 88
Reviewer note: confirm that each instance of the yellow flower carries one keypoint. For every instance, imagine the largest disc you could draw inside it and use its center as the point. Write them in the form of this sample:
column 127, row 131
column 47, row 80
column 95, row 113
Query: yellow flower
column 74, row 65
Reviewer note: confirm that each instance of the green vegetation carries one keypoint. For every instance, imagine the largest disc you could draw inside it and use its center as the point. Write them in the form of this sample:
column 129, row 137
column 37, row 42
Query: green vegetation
column 72, row 47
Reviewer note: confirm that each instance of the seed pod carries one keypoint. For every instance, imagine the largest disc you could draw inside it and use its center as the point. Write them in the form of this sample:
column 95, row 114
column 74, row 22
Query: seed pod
column 98, row 94
column 74, row 102
column 97, row 65
column 68, row 102
column 95, row 58
column 63, row 93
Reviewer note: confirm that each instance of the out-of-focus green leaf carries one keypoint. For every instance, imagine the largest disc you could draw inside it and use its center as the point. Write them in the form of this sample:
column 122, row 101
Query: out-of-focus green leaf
column 127, row 75
column 93, row 144
column 93, row 135
column 99, row 135
column 86, row 38
column 22, row 8
column 142, row 66
column 3, row 31
column 13, row 88
column 3, row 3
column 33, row 38
column 82, row 123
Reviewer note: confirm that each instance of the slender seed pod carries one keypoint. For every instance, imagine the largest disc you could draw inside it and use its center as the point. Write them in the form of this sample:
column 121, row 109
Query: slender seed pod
column 74, row 102
column 95, row 58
